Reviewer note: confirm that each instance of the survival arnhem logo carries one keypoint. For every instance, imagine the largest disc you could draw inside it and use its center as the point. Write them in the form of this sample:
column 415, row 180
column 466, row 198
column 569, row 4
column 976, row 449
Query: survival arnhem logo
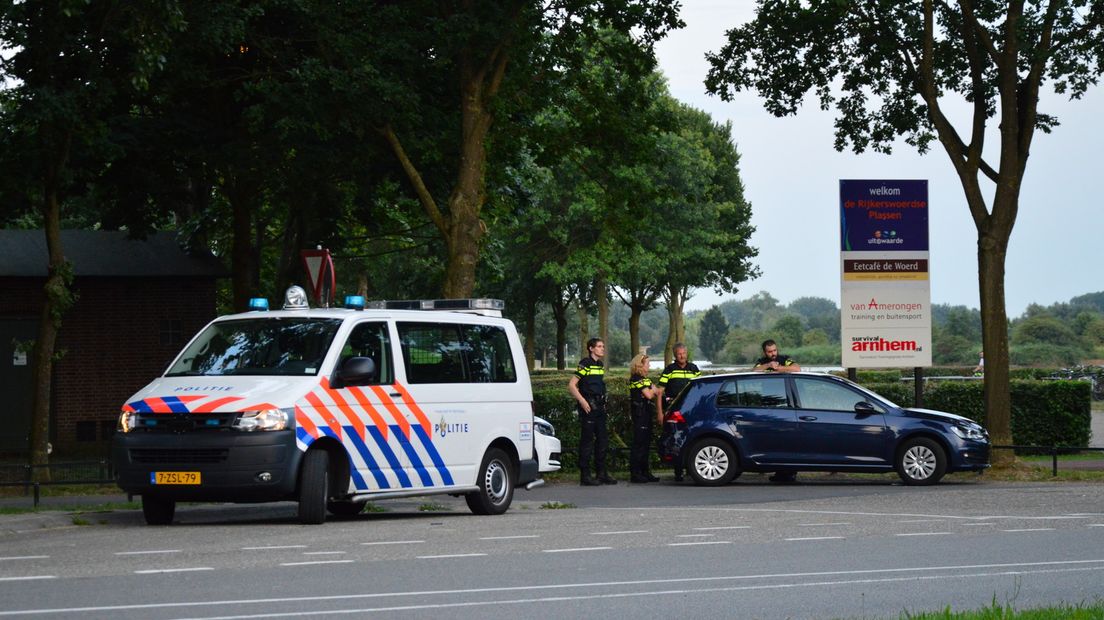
column 877, row 343
column 443, row 428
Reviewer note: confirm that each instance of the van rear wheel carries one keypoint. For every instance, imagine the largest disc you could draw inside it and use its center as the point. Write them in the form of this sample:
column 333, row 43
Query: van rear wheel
column 496, row 485
column 314, row 487
column 158, row 510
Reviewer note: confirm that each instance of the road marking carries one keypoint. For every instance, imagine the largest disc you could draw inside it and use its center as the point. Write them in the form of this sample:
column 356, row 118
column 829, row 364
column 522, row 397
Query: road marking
column 24, row 557
column 28, row 578
column 926, row 534
column 921, row 521
column 822, row 524
column 323, row 553
column 700, row 542
column 1096, row 524
column 452, row 555
column 910, row 574
column 274, row 547
column 510, row 537
column 1032, row 529
column 726, row 527
column 313, row 562
column 976, row 524
column 152, row 552
column 155, row 571
column 576, row 549
column 817, row 538
column 683, row 509
column 394, row 542
column 618, row 533
column 694, row 535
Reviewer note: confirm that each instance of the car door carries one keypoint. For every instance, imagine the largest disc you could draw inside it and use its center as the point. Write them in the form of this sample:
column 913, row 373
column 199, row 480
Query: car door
column 759, row 409
column 832, row 431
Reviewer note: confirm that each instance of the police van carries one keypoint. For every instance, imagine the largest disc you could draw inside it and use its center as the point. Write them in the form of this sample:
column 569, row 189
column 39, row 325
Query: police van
column 333, row 407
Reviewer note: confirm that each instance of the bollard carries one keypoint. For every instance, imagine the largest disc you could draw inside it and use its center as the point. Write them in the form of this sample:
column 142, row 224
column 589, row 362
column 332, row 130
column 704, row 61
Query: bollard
column 36, row 490
column 1054, row 456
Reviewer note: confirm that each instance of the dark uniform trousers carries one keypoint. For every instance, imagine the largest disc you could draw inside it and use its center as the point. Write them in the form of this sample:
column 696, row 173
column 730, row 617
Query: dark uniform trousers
column 593, row 437
column 642, row 415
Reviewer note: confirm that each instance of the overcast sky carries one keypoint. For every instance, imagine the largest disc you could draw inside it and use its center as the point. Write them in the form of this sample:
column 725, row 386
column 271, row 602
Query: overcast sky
column 791, row 176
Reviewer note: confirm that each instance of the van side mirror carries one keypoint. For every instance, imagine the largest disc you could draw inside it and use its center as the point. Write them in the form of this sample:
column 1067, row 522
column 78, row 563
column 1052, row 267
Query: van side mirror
column 356, row 371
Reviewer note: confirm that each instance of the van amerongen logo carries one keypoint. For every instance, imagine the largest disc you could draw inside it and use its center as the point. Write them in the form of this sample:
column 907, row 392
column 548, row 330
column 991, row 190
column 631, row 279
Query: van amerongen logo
column 443, row 428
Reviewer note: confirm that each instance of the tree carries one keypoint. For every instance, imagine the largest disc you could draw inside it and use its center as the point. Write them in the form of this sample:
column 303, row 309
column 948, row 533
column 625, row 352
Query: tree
column 74, row 66
column 899, row 67
column 714, row 328
column 788, row 331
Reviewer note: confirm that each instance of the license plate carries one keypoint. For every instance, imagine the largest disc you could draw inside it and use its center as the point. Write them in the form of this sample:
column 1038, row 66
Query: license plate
column 175, row 477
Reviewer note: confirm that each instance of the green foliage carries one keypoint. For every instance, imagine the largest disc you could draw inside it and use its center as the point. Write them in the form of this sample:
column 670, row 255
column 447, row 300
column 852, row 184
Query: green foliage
column 813, row 337
column 1042, row 329
column 713, row 330
column 788, row 331
column 1038, row 353
column 815, row 355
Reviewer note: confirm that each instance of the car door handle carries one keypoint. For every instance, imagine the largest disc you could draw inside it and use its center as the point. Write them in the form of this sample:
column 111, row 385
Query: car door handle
column 807, row 418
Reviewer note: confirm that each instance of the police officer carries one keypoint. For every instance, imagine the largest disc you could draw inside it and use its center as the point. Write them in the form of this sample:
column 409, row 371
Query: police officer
column 640, row 392
column 588, row 387
column 675, row 377
column 773, row 361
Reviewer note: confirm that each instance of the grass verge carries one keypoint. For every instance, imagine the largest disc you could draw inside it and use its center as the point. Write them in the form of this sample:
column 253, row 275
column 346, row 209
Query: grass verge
column 1093, row 611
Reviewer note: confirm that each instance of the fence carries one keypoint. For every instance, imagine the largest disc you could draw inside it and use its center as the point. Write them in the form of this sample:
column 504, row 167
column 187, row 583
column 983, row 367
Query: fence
column 72, row 473
column 1053, row 451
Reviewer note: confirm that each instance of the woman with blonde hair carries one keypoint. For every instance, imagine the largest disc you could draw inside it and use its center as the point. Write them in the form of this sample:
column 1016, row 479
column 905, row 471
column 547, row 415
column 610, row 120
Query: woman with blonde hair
column 640, row 392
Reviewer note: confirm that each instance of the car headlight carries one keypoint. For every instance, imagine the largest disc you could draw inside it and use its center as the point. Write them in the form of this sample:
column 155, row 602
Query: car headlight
column 127, row 421
column 544, row 428
column 265, row 420
column 972, row 432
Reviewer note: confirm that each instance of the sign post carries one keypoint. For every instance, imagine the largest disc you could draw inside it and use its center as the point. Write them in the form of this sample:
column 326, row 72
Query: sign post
column 885, row 291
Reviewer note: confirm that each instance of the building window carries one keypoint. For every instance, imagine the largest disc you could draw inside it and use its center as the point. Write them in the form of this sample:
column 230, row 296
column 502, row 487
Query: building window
column 172, row 332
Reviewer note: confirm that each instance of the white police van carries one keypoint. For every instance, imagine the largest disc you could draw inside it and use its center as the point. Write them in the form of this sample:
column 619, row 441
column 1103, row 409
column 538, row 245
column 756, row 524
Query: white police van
column 335, row 407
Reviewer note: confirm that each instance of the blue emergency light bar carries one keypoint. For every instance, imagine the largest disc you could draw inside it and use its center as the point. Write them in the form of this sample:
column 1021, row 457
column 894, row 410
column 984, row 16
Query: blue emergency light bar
column 259, row 304
column 354, row 302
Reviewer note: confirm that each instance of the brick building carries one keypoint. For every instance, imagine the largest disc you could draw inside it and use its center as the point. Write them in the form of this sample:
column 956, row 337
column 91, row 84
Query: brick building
column 138, row 302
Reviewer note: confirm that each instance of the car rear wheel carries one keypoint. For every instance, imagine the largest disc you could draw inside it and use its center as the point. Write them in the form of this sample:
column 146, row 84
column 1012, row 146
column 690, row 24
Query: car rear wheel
column 158, row 510
column 496, row 485
column 314, row 487
column 921, row 462
column 712, row 462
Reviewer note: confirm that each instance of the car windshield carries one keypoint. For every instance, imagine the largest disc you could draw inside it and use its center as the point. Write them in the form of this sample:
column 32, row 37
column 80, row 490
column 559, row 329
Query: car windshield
column 261, row 346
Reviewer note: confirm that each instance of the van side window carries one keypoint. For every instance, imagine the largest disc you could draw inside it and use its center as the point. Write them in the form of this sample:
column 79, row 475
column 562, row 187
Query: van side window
column 451, row 353
column 372, row 340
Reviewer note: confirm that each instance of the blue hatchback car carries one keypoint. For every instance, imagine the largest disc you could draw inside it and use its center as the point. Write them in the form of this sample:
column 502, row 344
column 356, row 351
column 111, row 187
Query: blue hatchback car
column 722, row 425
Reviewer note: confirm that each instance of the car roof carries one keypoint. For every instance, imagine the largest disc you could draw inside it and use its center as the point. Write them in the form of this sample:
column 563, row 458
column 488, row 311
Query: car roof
column 760, row 373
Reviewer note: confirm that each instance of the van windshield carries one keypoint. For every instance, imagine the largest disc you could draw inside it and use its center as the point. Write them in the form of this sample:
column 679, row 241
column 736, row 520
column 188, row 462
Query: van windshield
column 268, row 346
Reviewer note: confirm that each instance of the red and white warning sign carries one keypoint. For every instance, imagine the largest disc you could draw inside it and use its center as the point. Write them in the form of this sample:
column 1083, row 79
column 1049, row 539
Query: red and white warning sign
column 320, row 270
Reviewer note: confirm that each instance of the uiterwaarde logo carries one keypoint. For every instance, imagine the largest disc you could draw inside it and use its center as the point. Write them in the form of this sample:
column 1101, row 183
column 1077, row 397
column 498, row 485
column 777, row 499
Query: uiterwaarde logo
column 443, row 428
column 881, row 344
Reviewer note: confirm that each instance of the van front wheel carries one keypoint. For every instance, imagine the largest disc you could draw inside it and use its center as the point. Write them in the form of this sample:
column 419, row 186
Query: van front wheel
column 314, row 487
column 158, row 510
column 496, row 485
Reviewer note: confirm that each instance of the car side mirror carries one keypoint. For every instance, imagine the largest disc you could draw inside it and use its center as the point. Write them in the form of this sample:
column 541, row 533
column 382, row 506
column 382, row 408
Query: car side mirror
column 864, row 408
column 357, row 371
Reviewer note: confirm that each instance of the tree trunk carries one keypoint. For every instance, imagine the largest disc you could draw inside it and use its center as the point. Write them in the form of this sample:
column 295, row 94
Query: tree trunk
column 603, row 315
column 58, row 299
column 584, row 326
column 634, row 330
column 559, row 313
column 994, row 337
column 241, row 245
column 530, row 331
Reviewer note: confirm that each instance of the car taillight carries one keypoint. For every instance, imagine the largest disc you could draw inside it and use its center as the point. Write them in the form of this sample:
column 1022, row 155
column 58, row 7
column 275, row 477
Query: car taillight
column 674, row 416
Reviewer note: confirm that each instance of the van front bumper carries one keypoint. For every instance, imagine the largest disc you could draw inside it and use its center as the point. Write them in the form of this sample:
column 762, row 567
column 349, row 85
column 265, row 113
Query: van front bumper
column 232, row 467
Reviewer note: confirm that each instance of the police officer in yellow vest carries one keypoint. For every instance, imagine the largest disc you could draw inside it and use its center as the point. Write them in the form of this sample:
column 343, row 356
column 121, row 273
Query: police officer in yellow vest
column 588, row 387
column 675, row 377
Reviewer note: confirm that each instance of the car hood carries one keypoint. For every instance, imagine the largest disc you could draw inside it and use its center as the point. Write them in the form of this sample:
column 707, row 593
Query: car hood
column 941, row 416
column 209, row 394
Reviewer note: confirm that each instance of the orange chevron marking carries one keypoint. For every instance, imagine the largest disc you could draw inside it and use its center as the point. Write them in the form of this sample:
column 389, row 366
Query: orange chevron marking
column 377, row 419
column 303, row 420
column 343, row 405
column 413, row 406
column 389, row 404
column 213, row 405
column 326, row 414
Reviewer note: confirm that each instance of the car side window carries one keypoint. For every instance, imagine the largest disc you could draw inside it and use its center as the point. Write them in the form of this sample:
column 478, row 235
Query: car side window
column 769, row 392
column 371, row 340
column 816, row 394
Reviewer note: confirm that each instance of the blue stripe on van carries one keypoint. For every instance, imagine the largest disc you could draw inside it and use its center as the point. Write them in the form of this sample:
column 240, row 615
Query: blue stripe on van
column 302, row 435
column 415, row 461
column 174, row 404
column 373, row 466
column 427, row 443
column 389, row 454
column 358, row 480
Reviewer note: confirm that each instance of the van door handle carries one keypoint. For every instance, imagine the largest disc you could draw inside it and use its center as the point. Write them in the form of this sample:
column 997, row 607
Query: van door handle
column 807, row 418
column 395, row 394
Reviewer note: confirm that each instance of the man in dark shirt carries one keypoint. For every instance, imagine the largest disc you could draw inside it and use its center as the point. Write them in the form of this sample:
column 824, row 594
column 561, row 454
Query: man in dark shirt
column 773, row 361
column 588, row 387
column 675, row 377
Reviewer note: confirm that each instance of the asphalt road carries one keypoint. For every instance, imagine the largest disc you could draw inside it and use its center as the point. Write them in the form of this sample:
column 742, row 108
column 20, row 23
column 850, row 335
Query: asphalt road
column 826, row 548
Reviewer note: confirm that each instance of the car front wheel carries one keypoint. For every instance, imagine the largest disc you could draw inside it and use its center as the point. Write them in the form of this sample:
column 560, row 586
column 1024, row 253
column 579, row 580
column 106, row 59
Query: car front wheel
column 921, row 461
column 712, row 462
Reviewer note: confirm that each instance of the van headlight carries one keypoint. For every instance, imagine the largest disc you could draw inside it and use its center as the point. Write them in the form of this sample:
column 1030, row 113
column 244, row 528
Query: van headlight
column 127, row 421
column 544, row 428
column 972, row 432
column 264, row 420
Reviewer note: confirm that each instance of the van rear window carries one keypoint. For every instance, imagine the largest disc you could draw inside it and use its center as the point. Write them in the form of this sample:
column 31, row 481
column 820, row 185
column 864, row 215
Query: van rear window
column 456, row 353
